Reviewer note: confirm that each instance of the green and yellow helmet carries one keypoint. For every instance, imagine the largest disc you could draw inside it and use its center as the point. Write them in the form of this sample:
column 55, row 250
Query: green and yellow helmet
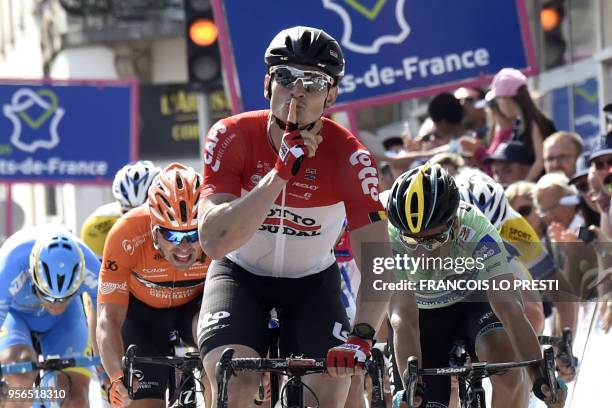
column 423, row 198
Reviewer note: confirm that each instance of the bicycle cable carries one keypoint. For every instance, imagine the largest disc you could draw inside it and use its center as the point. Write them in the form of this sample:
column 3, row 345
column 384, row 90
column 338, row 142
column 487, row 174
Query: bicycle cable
column 294, row 379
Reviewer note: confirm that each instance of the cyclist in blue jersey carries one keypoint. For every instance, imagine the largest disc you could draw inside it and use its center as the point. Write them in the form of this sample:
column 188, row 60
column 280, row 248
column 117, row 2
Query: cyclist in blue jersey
column 43, row 273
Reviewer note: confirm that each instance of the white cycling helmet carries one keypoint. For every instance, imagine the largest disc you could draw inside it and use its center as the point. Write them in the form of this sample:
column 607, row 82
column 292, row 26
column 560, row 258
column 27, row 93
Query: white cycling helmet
column 132, row 182
column 486, row 194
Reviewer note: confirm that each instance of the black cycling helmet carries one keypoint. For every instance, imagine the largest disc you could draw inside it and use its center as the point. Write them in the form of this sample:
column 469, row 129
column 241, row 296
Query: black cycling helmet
column 307, row 46
column 423, row 198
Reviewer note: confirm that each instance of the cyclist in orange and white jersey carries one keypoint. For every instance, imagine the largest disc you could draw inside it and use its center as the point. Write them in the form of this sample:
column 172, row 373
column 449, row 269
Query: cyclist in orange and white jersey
column 151, row 282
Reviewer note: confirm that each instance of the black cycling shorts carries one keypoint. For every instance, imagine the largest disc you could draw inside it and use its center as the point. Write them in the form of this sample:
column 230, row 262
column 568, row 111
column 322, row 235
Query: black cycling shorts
column 149, row 328
column 439, row 329
column 236, row 306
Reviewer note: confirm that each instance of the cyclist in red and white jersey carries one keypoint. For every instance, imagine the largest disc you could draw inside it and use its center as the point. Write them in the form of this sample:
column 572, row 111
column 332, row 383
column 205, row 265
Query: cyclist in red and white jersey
column 278, row 184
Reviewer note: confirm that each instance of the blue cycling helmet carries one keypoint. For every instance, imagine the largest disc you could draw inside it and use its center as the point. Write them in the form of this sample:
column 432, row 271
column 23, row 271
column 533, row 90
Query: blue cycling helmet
column 57, row 265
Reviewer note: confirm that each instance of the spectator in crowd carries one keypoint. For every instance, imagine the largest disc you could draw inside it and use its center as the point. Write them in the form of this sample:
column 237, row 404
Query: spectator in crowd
column 474, row 113
column 499, row 132
column 556, row 201
column 561, row 150
column 450, row 162
column 446, row 113
column 509, row 87
column 587, row 207
column 429, row 141
column 386, row 176
column 511, row 162
column 393, row 144
column 520, row 196
column 601, row 158
column 607, row 110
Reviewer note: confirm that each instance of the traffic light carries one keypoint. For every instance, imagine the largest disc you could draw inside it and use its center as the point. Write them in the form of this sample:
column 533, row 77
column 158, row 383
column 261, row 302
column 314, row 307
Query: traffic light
column 203, row 59
column 551, row 18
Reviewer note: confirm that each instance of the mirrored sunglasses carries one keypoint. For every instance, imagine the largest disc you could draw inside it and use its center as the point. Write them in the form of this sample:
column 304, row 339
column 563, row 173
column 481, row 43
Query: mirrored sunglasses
column 312, row 81
column 176, row 237
column 429, row 243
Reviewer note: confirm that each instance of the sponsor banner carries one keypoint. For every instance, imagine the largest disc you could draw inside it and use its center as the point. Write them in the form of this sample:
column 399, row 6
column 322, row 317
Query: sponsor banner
column 170, row 120
column 68, row 132
column 394, row 48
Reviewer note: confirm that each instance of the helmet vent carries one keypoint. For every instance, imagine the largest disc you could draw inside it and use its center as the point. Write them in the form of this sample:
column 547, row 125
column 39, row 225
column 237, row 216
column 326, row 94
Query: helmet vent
column 481, row 201
column 60, row 282
column 306, row 40
column 183, row 207
column 166, row 202
column 66, row 246
column 47, row 273
column 53, row 246
column 179, row 181
column 289, row 44
column 74, row 273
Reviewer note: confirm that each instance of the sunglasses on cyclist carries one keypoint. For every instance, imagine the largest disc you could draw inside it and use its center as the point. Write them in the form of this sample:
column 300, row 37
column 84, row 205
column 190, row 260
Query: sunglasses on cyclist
column 50, row 299
column 312, row 81
column 176, row 237
column 429, row 243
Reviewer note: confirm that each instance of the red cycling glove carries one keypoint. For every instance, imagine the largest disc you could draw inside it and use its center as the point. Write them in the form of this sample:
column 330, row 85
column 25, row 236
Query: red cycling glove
column 353, row 353
column 291, row 153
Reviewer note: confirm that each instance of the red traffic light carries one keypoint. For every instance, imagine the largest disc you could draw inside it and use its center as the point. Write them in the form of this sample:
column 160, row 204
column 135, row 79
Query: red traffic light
column 203, row 32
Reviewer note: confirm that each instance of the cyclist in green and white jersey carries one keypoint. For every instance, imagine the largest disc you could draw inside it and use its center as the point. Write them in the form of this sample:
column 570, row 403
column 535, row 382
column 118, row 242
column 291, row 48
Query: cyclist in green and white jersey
column 455, row 244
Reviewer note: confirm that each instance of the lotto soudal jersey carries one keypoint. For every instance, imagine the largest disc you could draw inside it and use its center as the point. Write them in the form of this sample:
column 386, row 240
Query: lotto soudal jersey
column 299, row 232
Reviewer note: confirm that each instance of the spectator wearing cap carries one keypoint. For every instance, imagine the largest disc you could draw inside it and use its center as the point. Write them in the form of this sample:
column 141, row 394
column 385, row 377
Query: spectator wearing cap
column 509, row 88
column 499, row 132
column 510, row 163
column 556, row 201
column 474, row 114
column 601, row 158
column 580, row 181
column 561, row 150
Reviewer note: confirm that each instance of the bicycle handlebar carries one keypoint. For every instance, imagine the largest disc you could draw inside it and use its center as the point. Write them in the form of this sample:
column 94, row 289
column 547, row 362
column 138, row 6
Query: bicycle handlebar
column 480, row 370
column 50, row 364
column 292, row 367
column 564, row 344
